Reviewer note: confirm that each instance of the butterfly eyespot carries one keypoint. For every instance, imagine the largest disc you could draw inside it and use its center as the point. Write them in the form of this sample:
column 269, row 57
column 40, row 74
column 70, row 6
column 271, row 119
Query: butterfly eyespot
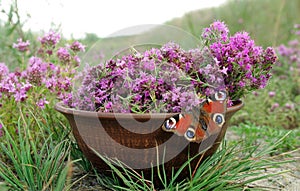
column 190, row 133
column 218, row 118
column 170, row 123
column 220, row 96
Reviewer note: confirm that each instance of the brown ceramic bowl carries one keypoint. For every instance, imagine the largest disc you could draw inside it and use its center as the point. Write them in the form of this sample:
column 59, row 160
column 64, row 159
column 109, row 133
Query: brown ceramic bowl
column 138, row 140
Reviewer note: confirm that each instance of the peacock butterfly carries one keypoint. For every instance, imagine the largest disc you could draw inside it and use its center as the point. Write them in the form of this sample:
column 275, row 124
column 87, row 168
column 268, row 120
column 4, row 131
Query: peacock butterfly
column 199, row 124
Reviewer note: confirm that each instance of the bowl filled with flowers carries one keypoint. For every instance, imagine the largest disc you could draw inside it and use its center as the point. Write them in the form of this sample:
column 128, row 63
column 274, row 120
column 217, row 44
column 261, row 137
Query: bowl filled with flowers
column 164, row 105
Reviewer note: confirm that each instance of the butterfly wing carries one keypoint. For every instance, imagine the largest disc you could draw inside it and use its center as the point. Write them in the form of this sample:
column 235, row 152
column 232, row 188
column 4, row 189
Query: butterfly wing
column 177, row 124
column 215, row 108
column 200, row 124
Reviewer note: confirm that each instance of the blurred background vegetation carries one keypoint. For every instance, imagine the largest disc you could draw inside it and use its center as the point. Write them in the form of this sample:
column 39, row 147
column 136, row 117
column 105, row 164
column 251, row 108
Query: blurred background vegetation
column 269, row 22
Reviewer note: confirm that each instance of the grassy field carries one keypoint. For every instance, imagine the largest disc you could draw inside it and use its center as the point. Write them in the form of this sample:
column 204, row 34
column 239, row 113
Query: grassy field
column 269, row 22
column 261, row 150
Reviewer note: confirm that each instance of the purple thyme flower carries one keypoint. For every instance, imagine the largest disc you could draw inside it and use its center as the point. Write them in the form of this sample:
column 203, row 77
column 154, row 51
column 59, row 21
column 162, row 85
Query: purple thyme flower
column 274, row 106
column 3, row 71
column 284, row 51
column 50, row 39
column 270, row 56
column 294, row 43
column 36, row 70
column 21, row 46
column 63, row 55
column 77, row 60
column 247, row 65
column 242, row 84
column 42, row 102
column 20, row 95
column 50, row 83
column 36, row 63
column 68, row 100
column 20, row 91
column 217, row 30
column 290, row 106
column 272, row 94
column 297, row 27
column 77, row 47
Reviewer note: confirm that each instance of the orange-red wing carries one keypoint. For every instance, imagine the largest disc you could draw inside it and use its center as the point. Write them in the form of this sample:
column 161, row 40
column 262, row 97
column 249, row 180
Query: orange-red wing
column 200, row 124
column 183, row 124
column 214, row 107
column 213, row 128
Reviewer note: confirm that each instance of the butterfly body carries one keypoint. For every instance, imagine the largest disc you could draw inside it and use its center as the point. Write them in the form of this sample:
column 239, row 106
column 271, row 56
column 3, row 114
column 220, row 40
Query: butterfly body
column 199, row 124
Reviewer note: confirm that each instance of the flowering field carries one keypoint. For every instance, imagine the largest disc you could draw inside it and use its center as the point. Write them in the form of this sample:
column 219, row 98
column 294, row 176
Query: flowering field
column 38, row 151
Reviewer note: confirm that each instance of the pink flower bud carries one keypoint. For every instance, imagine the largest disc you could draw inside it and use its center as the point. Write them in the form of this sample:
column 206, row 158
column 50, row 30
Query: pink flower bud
column 272, row 94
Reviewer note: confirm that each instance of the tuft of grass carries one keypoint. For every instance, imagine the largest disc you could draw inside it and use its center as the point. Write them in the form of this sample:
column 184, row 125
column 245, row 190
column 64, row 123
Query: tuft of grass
column 233, row 167
column 32, row 162
column 127, row 176
column 3, row 186
column 81, row 161
column 254, row 135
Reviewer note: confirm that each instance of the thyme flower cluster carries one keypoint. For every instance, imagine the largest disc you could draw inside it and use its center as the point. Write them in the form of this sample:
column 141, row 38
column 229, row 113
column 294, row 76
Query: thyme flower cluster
column 170, row 79
column 248, row 66
column 52, row 68
column 139, row 82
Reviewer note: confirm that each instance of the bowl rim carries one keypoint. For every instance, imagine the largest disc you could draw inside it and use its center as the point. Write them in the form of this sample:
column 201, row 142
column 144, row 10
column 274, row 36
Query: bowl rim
column 61, row 107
